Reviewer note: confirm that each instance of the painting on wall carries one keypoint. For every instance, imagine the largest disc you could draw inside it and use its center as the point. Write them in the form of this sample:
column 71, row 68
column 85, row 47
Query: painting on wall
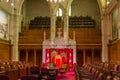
column 114, row 24
column 3, row 25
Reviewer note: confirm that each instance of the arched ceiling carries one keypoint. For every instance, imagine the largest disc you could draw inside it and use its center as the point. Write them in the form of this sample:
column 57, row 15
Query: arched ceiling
column 18, row 3
column 104, row 3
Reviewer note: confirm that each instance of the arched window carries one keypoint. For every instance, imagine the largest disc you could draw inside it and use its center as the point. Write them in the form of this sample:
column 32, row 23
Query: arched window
column 70, row 11
column 59, row 12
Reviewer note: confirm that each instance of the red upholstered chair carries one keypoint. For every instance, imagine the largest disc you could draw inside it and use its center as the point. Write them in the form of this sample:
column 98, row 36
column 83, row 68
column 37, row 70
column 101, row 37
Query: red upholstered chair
column 4, row 77
column 116, row 68
column 29, row 77
column 100, row 76
column 108, row 77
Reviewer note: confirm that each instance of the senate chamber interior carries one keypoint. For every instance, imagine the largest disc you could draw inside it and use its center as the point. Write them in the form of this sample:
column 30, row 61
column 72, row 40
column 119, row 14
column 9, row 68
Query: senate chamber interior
column 59, row 39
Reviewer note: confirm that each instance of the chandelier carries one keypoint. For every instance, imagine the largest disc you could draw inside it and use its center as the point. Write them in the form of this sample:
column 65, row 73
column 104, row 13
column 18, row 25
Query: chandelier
column 55, row 1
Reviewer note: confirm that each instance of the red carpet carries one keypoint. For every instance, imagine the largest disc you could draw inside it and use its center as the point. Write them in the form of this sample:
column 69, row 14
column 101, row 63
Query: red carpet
column 70, row 75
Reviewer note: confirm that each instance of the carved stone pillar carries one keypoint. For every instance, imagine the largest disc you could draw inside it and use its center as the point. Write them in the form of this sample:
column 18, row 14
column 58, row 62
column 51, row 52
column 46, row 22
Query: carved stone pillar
column 66, row 27
column 104, row 27
column 53, row 28
column 14, row 35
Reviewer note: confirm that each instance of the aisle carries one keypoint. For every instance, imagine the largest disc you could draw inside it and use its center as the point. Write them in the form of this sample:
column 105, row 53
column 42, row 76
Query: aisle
column 67, row 76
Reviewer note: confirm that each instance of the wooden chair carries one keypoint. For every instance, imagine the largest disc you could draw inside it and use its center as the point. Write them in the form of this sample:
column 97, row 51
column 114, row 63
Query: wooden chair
column 116, row 68
column 2, row 70
column 100, row 76
column 108, row 77
column 116, row 78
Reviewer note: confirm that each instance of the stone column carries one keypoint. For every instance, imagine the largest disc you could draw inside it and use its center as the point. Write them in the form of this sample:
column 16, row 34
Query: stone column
column 53, row 28
column 66, row 27
column 74, row 54
column 44, row 53
column 104, row 28
column 14, row 34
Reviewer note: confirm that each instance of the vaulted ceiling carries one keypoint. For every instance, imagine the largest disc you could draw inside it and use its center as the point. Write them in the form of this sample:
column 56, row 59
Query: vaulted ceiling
column 17, row 4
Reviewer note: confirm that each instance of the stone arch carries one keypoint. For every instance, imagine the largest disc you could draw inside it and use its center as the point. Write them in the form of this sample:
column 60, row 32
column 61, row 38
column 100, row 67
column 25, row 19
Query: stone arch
column 20, row 6
column 100, row 6
column 20, row 3
column 18, row 11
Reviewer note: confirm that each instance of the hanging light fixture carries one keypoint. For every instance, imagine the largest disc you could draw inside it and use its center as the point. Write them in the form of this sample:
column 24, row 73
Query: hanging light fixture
column 55, row 1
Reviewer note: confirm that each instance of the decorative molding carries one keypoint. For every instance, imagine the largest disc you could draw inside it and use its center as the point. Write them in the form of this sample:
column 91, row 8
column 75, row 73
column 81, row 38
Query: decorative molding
column 89, row 44
column 4, row 42
column 29, row 44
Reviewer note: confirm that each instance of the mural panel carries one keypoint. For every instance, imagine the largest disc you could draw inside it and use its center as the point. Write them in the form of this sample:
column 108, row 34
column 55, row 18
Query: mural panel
column 3, row 25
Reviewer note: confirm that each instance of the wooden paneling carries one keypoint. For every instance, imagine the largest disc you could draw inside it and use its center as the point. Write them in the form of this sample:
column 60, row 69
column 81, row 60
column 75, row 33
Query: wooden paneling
column 79, row 57
column 33, row 36
column 33, row 56
column 39, row 57
column 82, row 35
column 4, row 50
column 86, row 38
column 118, row 55
column 86, row 35
column 88, row 55
column 114, row 49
